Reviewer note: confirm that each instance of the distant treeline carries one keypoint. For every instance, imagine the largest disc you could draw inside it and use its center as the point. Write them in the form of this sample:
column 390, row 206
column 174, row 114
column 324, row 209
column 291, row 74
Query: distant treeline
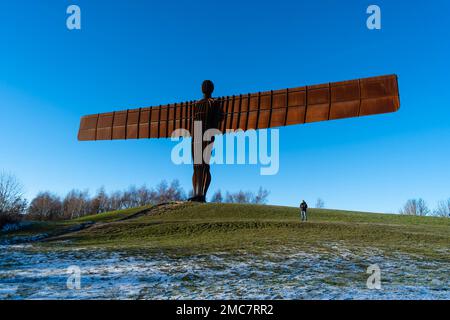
column 418, row 207
column 49, row 206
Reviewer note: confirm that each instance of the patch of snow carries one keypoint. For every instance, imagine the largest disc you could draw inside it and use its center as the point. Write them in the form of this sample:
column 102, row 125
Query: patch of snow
column 9, row 227
column 29, row 273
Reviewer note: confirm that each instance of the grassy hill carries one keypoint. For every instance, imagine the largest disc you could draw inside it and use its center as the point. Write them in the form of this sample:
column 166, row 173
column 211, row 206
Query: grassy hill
column 192, row 251
column 200, row 228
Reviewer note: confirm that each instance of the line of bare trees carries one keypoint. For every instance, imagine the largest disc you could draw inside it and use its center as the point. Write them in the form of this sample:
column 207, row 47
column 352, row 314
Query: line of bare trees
column 260, row 197
column 418, row 207
column 50, row 206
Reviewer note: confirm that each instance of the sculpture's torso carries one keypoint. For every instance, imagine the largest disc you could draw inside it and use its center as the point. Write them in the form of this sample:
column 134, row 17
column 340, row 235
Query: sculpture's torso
column 208, row 112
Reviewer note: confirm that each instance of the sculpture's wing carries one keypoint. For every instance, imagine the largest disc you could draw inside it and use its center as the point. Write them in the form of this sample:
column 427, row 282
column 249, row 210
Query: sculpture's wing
column 329, row 101
column 252, row 111
column 142, row 123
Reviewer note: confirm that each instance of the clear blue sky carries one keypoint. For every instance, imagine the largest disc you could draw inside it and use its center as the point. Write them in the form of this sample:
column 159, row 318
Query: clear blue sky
column 138, row 53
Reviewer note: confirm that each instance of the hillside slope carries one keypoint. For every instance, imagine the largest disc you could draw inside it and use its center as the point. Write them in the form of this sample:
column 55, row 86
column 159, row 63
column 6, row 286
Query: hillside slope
column 201, row 228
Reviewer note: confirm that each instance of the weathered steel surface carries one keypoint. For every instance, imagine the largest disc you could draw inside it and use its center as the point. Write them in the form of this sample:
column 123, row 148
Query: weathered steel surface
column 267, row 109
column 323, row 102
column 207, row 112
column 142, row 123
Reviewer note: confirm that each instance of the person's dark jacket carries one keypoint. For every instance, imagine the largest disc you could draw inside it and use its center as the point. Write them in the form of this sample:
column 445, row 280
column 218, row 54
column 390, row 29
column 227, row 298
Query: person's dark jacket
column 303, row 206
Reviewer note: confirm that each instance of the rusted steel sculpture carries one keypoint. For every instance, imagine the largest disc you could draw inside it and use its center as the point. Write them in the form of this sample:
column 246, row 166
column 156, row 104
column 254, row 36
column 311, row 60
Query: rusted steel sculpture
column 260, row 110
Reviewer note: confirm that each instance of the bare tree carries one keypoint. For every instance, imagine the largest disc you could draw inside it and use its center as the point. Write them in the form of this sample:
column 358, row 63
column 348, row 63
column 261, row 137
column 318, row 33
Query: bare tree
column 12, row 202
column 243, row 197
column 229, row 197
column 217, row 197
column 76, row 204
column 130, row 198
column 239, row 197
column 443, row 209
column 100, row 202
column 176, row 192
column 415, row 207
column 166, row 193
column 320, row 204
column 247, row 197
column 45, row 206
column 115, row 200
column 261, row 196
column 145, row 196
column 161, row 192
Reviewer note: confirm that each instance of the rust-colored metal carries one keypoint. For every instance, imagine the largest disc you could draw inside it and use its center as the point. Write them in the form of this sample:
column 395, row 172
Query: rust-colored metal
column 268, row 109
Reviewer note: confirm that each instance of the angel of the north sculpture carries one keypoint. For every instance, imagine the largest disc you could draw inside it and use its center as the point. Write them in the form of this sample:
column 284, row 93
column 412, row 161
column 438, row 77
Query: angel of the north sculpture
column 268, row 109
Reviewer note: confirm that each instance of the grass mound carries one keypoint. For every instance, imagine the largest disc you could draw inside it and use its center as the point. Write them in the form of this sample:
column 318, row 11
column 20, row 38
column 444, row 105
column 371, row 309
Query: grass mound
column 193, row 227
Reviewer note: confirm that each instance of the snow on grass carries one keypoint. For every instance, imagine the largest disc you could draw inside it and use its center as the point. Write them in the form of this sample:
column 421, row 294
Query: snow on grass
column 28, row 272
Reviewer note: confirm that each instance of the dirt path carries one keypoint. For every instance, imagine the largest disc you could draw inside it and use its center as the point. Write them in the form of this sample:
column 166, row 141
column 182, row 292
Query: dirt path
column 157, row 209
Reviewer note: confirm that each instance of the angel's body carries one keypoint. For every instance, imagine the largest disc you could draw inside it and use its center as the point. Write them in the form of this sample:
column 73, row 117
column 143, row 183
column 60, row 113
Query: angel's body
column 207, row 112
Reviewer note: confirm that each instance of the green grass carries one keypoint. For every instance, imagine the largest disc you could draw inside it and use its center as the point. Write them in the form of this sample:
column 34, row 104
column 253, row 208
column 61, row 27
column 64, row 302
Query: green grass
column 110, row 216
column 195, row 228
column 49, row 227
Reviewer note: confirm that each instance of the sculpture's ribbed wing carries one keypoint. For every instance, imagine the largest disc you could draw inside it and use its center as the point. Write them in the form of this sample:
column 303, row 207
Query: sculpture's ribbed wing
column 324, row 102
column 142, row 123
column 252, row 111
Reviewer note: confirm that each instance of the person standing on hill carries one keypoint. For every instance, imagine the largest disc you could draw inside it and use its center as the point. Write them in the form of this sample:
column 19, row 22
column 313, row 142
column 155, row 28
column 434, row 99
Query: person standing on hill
column 303, row 208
